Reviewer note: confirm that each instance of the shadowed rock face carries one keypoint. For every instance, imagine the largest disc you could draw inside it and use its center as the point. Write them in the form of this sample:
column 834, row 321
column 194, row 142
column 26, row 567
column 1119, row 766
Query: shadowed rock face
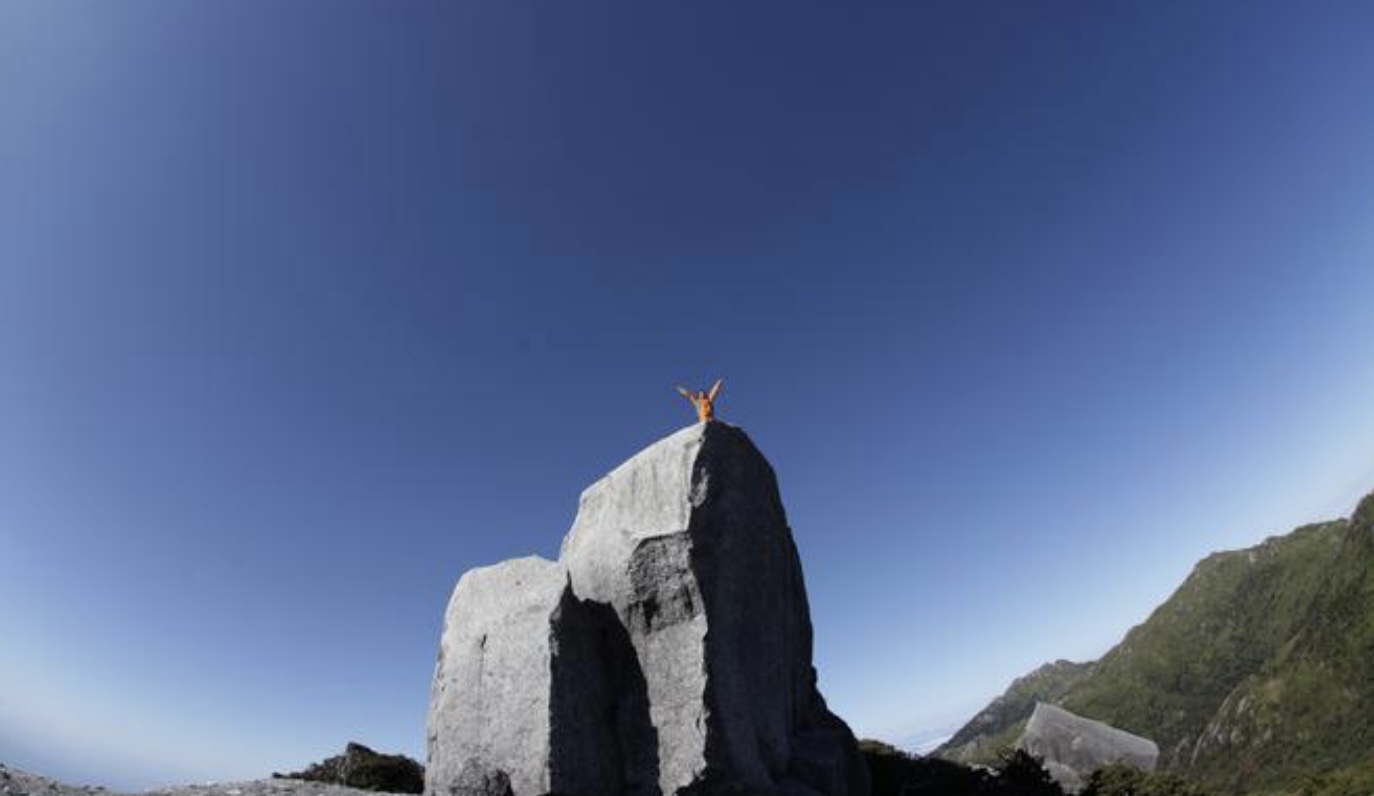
column 361, row 767
column 1073, row 747
column 668, row 651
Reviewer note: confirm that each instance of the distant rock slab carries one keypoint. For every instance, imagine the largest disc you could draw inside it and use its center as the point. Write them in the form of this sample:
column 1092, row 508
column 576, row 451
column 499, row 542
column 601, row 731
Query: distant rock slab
column 1073, row 747
column 668, row 651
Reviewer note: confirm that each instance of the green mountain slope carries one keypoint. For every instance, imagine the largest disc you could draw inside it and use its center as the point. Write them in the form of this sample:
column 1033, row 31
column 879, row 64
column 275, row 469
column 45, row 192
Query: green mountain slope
column 1257, row 671
column 998, row 725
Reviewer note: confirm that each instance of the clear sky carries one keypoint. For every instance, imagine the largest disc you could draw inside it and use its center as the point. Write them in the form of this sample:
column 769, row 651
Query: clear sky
column 306, row 308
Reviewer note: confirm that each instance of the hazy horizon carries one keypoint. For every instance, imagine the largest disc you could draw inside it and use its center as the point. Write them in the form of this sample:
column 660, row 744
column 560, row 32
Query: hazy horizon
column 306, row 309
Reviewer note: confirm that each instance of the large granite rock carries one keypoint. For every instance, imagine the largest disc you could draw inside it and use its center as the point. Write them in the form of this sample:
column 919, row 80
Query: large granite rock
column 668, row 651
column 1072, row 747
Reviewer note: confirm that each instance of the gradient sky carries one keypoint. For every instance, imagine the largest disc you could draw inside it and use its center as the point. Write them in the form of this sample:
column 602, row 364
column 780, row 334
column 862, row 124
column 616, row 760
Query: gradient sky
column 306, row 308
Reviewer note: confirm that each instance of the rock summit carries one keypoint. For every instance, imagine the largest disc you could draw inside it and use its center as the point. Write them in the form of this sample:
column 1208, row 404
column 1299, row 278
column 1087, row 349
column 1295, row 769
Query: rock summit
column 666, row 652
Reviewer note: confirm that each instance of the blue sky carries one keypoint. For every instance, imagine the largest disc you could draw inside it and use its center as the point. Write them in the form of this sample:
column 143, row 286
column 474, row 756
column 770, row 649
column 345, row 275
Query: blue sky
column 307, row 308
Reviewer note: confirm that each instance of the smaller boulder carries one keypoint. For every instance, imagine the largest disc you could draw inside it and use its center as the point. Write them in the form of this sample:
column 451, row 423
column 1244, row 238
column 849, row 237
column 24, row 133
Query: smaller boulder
column 534, row 691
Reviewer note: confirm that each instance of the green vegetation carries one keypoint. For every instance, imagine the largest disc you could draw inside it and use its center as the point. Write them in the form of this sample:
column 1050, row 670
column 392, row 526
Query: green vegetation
column 1123, row 780
column 1119, row 780
column 1254, row 675
column 1170, row 676
column 895, row 773
column 1352, row 781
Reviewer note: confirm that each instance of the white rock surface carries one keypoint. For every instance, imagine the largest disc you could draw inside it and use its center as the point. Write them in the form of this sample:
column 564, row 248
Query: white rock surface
column 498, row 647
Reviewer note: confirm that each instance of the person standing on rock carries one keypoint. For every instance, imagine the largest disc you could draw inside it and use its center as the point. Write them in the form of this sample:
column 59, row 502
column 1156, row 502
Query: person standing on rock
column 705, row 402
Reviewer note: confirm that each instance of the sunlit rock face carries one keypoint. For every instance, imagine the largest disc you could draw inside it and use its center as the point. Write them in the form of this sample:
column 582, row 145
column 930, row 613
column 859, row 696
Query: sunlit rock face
column 668, row 651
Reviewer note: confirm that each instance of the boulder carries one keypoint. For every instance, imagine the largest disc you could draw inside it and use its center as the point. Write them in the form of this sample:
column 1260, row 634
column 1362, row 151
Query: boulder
column 1072, row 747
column 526, row 679
column 668, row 651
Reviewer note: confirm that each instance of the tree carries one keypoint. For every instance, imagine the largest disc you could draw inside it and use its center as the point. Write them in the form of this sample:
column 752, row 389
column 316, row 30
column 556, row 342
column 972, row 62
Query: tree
column 1022, row 774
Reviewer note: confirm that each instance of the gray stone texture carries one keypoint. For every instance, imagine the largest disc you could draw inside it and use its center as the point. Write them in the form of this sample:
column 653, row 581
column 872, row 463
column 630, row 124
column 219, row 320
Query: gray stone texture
column 667, row 652
column 1073, row 747
column 490, row 701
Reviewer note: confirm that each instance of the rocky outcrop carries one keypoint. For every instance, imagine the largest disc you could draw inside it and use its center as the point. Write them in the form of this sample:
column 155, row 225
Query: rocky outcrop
column 668, row 651
column 361, row 767
column 1073, row 747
